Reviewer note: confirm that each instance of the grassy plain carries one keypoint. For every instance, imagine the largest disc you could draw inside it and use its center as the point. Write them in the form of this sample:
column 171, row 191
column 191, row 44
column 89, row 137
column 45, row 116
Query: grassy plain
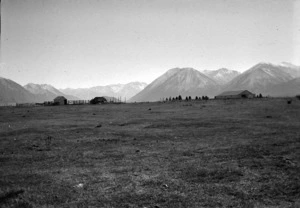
column 216, row 153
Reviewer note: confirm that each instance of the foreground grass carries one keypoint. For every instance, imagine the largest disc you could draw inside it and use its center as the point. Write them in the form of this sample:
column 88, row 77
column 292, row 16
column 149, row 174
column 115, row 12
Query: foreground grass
column 239, row 153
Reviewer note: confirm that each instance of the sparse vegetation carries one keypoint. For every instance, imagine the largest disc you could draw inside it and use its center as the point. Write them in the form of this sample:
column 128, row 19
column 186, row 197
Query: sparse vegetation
column 218, row 153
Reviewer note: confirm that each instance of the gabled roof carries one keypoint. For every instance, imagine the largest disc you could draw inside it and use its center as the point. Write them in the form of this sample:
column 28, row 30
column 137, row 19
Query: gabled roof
column 100, row 98
column 232, row 92
column 60, row 97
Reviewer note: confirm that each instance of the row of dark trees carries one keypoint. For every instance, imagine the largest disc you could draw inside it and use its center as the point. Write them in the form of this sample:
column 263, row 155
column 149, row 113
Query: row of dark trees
column 187, row 98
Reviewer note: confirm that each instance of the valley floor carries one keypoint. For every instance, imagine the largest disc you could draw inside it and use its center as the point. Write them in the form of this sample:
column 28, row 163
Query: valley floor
column 216, row 153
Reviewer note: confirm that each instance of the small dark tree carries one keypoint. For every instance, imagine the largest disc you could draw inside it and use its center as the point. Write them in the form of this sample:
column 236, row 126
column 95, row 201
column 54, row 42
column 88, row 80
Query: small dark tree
column 190, row 98
column 205, row 98
column 170, row 98
column 179, row 97
column 196, row 98
column 173, row 98
column 186, row 98
column 176, row 98
column 260, row 95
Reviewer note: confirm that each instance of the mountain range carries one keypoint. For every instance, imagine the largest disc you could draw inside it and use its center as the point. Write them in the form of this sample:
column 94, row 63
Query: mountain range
column 266, row 78
column 12, row 92
column 125, row 91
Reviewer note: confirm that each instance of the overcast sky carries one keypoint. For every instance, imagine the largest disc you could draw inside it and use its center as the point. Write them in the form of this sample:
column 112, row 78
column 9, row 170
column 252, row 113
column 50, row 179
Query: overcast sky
column 84, row 43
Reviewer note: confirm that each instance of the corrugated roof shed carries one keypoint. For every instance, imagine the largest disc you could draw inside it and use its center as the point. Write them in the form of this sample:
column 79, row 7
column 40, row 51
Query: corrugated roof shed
column 232, row 92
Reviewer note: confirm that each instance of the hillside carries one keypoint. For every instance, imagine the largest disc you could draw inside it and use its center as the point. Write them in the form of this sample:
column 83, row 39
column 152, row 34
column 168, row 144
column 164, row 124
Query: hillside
column 290, row 88
column 12, row 92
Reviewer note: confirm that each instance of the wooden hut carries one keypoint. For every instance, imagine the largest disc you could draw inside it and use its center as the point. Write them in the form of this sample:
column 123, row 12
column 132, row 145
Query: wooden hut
column 60, row 100
column 98, row 100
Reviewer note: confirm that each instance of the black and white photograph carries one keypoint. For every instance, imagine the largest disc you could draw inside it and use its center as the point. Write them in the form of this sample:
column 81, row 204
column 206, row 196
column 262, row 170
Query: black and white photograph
column 149, row 103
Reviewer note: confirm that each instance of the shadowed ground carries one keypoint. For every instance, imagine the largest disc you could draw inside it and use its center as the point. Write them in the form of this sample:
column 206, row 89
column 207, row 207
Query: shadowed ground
column 232, row 153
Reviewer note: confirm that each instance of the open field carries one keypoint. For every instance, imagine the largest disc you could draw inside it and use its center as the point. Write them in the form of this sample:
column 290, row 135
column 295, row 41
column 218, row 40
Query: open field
column 216, row 153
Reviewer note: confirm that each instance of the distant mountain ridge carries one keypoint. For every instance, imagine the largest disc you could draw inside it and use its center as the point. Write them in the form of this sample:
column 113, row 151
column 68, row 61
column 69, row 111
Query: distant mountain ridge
column 47, row 92
column 115, row 90
column 262, row 77
column 41, row 88
column 221, row 76
column 178, row 81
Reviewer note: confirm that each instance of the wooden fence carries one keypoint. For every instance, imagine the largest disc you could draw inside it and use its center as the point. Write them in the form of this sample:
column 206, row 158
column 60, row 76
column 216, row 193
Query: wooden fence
column 78, row 102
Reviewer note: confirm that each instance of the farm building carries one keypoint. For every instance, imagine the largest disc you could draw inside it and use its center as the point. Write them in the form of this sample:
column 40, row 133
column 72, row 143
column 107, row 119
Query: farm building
column 60, row 100
column 235, row 94
column 98, row 100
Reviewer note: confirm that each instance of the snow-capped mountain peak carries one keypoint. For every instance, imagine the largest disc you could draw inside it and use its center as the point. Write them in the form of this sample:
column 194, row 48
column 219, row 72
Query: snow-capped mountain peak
column 286, row 64
column 221, row 76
